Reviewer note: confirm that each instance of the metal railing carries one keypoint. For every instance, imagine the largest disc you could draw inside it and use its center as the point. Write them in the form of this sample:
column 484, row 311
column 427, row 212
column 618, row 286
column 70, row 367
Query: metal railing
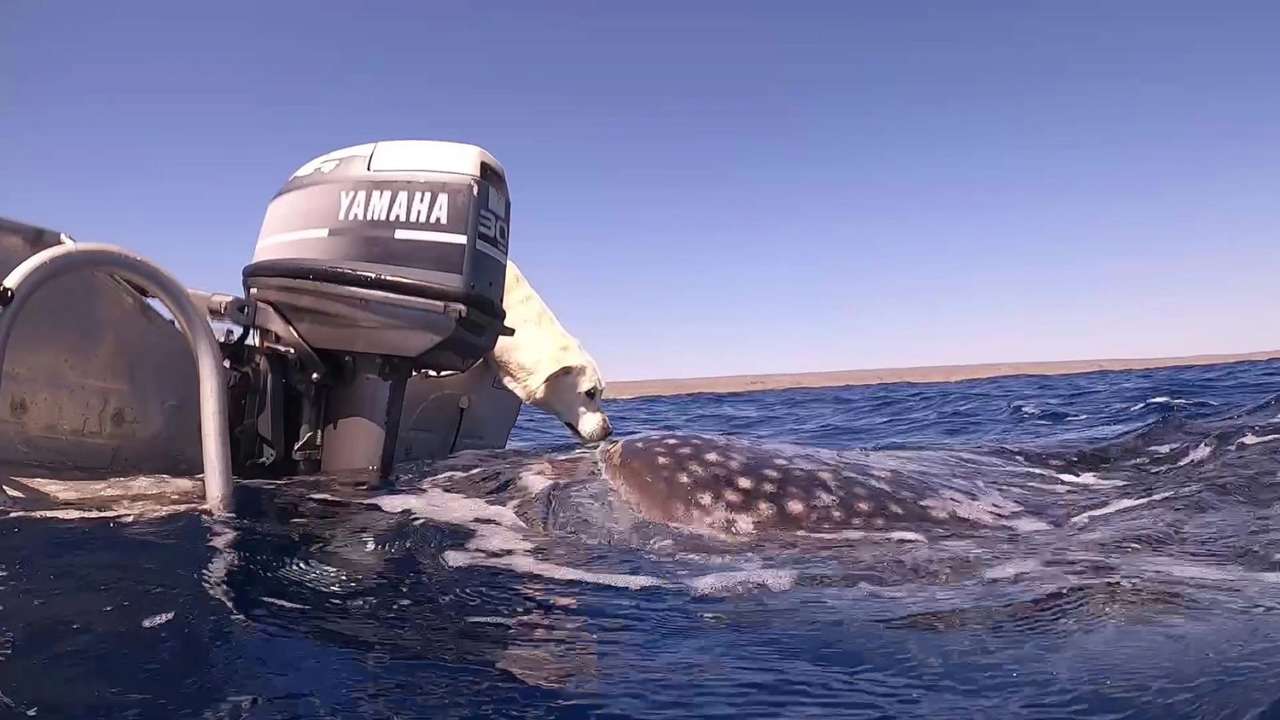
column 34, row 272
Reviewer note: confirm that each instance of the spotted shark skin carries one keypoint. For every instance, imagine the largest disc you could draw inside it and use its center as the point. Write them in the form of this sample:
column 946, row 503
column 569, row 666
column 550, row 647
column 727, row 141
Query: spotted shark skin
column 730, row 487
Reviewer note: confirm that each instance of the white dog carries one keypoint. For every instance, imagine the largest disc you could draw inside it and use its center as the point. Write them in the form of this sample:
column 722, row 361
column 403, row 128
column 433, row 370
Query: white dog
column 545, row 366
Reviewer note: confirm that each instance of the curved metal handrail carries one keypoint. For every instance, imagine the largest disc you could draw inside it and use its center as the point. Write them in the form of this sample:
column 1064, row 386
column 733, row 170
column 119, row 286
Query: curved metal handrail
column 50, row 263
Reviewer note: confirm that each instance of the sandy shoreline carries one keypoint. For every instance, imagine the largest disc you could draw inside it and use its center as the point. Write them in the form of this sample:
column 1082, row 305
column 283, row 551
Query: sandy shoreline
column 941, row 373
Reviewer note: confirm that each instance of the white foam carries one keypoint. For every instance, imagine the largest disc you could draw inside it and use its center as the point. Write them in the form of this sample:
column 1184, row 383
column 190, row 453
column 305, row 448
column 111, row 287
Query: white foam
column 532, row 566
column 739, row 580
column 1084, row 479
column 435, row 504
column 1164, row 449
column 1166, row 400
column 1027, row 524
column 451, row 475
column 1123, row 504
column 1087, row 479
column 496, row 538
column 489, row 620
column 494, row 528
column 534, row 482
column 1011, row 569
column 1202, row 451
column 174, row 487
column 142, row 497
column 283, row 603
column 1054, row 488
column 157, row 620
column 1203, row 572
column 129, row 511
column 892, row 535
column 1152, row 401
column 1251, row 439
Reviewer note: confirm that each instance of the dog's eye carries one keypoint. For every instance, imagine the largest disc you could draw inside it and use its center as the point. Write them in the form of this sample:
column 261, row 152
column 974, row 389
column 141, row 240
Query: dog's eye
column 591, row 394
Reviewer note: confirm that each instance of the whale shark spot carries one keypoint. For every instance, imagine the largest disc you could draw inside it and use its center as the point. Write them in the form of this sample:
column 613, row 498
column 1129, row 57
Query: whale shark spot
column 771, row 474
column 733, row 497
column 696, row 469
column 704, row 499
column 745, row 483
column 683, row 478
column 837, row 515
column 769, row 487
column 795, row 507
column 863, row 506
column 712, row 457
column 671, row 441
column 824, row 499
column 827, row 475
column 684, row 450
column 662, row 460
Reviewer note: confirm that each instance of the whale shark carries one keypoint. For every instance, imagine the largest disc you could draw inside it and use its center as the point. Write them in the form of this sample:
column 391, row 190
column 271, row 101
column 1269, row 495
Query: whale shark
column 730, row 487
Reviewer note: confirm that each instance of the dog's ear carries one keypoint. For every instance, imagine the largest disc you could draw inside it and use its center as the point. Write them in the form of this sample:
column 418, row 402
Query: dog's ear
column 564, row 371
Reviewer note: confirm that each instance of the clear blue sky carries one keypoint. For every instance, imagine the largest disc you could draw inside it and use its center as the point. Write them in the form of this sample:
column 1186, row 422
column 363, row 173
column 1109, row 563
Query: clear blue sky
column 714, row 188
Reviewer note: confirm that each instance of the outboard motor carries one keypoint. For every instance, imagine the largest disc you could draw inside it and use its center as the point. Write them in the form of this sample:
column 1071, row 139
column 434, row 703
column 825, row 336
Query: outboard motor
column 374, row 263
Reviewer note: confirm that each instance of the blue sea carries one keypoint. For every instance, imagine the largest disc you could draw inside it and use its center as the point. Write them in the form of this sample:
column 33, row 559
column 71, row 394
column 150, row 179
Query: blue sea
column 516, row 583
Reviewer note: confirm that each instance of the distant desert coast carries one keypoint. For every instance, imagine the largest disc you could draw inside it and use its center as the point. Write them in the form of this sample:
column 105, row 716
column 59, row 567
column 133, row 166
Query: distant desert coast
column 940, row 373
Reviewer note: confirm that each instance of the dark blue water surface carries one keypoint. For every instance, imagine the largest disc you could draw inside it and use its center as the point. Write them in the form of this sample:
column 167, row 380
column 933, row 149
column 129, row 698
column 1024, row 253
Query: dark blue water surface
column 516, row 583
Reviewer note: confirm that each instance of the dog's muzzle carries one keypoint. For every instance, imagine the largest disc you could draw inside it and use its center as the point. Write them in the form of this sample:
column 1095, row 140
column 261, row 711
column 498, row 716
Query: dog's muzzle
column 603, row 431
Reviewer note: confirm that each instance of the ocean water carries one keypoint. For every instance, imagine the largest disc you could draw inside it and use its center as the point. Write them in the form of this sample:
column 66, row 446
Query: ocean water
column 1143, row 582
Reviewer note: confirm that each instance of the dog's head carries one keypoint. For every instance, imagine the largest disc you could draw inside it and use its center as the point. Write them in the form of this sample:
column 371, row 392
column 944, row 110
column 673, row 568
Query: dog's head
column 573, row 394
column 545, row 366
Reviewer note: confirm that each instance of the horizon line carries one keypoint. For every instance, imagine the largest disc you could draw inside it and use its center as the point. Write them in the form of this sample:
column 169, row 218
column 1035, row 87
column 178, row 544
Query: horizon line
column 625, row 389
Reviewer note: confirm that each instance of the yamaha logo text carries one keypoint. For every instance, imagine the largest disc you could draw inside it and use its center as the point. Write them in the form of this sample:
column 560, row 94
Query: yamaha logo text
column 402, row 206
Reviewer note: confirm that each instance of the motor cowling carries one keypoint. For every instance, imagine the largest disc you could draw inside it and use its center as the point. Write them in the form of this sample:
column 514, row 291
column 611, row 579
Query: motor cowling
column 394, row 248
column 374, row 262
